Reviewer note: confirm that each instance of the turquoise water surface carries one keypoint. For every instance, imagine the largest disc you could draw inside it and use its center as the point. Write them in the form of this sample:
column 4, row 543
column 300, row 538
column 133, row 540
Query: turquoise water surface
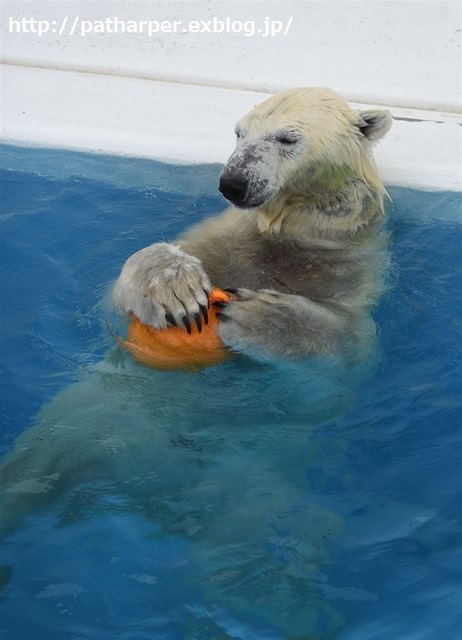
column 247, row 501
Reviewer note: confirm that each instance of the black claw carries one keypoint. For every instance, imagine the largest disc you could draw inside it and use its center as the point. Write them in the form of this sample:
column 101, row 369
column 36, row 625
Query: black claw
column 169, row 317
column 186, row 323
column 234, row 292
column 203, row 308
column 222, row 317
column 219, row 304
column 197, row 318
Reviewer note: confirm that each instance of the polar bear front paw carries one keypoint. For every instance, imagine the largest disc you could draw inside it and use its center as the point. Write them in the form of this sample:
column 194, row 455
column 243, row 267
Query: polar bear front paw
column 254, row 321
column 267, row 323
column 163, row 285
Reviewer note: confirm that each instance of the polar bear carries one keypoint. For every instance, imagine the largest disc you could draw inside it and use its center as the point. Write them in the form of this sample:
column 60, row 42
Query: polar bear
column 297, row 247
column 220, row 458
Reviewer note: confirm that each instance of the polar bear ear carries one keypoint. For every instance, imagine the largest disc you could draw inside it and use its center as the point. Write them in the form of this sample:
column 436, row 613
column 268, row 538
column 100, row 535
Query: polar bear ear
column 375, row 123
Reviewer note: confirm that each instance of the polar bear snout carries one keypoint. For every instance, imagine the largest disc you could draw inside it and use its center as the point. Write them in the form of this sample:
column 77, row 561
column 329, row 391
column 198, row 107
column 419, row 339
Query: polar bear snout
column 245, row 193
column 248, row 180
column 233, row 187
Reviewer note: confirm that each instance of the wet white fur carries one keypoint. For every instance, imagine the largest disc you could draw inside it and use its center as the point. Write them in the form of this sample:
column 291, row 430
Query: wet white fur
column 305, row 259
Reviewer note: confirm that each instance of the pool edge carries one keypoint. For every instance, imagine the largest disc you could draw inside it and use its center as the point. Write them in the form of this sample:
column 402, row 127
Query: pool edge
column 193, row 124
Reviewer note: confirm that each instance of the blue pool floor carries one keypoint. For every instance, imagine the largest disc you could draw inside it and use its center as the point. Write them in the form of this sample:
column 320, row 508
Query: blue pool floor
column 243, row 502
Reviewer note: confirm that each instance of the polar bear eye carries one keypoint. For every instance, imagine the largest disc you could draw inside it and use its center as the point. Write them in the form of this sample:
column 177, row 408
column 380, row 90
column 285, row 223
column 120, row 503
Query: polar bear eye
column 287, row 140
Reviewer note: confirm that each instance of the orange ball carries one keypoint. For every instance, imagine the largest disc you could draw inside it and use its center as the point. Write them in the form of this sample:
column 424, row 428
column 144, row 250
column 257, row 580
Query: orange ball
column 174, row 348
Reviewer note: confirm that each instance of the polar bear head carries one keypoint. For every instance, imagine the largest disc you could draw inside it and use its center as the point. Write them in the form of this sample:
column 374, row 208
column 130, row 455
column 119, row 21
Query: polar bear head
column 301, row 141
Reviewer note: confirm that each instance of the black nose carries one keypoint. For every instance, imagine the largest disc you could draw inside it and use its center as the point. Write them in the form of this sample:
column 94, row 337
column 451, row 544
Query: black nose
column 233, row 188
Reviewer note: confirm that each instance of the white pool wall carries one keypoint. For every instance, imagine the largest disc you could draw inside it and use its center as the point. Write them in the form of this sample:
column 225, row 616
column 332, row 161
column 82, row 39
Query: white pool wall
column 176, row 96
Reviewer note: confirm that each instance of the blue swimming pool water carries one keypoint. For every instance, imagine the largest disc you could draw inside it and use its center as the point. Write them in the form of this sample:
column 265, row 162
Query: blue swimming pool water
column 245, row 502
